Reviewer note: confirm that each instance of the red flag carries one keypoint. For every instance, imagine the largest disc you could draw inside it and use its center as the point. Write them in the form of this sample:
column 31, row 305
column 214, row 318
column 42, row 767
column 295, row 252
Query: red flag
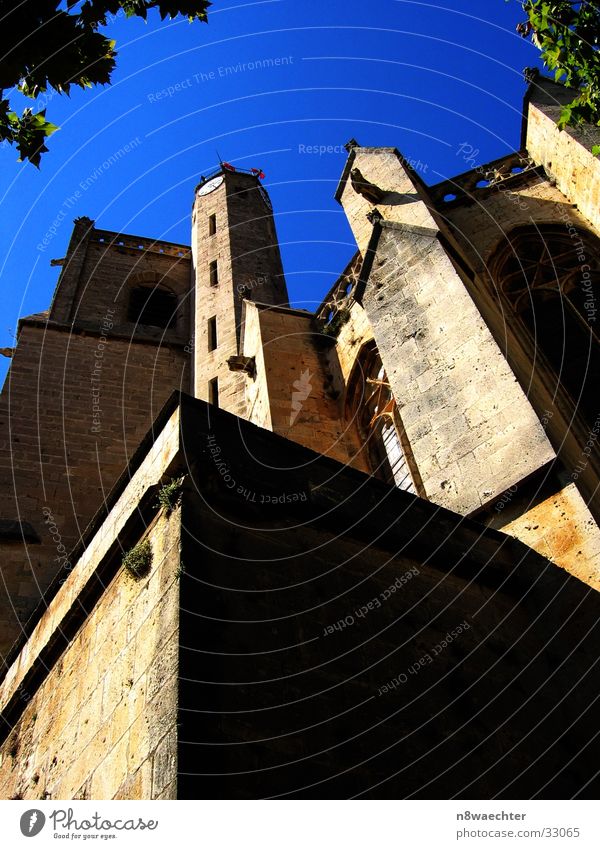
column 227, row 166
column 260, row 174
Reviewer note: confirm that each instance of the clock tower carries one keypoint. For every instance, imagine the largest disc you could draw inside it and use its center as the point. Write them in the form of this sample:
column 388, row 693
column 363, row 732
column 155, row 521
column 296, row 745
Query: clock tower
column 235, row 257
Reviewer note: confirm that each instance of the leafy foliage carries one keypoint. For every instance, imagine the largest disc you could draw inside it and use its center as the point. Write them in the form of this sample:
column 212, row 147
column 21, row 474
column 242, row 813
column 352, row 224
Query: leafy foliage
column 46, row 46
column 336, row 323
column 169, row 494
column 568, row 35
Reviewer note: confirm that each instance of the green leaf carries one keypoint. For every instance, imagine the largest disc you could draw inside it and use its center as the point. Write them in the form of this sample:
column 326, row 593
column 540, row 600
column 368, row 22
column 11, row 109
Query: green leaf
column 568, row 35
column 57, row 45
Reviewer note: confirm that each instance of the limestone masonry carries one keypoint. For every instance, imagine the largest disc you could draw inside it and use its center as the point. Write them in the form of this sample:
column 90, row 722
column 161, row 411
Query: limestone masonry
column 248, row 550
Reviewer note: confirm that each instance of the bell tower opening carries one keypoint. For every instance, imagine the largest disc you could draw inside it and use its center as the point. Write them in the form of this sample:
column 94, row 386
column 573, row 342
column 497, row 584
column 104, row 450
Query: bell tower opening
column 152, row 306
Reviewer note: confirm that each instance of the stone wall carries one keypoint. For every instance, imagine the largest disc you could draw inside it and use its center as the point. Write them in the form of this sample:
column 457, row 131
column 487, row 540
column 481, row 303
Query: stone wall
column 103, row 723
column 403, row 199
column 481, row 225
column 257, row 390
column 353, row 335
column 453, row 355
column 470, row 427
column 108, row 275
column 565, row 154
column 363, row 641
column 561, row 528
column 93, row 692
column 299, row 379
column 219, row 301
column 357, row 641
column 99, row 272
column 563, row 525
column 57, row 461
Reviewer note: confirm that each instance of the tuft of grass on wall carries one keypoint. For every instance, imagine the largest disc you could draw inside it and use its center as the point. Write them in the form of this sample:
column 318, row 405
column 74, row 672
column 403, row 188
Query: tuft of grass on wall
column 169, row 494
column 336, row 323
column 138, row 560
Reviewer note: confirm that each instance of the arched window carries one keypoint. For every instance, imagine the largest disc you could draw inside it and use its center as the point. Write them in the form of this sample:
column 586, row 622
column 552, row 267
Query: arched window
column 152, row 306
column 371, row 406
column 550, row 277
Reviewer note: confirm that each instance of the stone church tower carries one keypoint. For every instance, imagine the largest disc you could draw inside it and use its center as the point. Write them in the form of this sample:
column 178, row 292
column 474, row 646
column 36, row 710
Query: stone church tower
column 432, row 427
column 236, row 256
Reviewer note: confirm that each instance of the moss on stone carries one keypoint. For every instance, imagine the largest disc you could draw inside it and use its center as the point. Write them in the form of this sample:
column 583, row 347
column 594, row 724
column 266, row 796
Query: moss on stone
column 138, row 560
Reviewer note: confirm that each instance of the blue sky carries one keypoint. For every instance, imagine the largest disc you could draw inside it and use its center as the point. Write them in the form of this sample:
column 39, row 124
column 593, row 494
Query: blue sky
column 423, row 77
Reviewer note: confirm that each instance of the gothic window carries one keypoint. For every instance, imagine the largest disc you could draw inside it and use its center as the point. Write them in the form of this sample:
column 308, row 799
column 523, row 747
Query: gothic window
column 371, row 405
column 152, row 306
column 550, row 278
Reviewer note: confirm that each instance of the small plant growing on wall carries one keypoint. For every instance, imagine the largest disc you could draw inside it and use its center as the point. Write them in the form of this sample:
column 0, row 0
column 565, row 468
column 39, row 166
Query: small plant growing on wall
column 337, row 322
column 169, row 494
column 138, row 560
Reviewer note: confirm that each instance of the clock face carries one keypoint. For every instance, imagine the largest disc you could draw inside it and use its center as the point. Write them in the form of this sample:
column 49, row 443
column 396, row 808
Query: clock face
column 210, row 185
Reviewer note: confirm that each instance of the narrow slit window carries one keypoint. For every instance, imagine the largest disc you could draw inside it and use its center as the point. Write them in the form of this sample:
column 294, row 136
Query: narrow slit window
column 212, row 224
column 212, row 333
column 213, row 391
column 213, row 271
